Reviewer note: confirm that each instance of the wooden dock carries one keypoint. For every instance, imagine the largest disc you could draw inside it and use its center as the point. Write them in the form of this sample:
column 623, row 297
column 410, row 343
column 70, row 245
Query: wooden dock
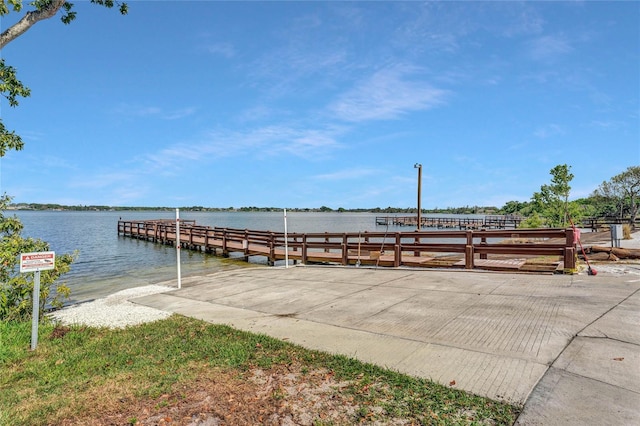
column 537, row 250
column 453, row 222
column 605, row 222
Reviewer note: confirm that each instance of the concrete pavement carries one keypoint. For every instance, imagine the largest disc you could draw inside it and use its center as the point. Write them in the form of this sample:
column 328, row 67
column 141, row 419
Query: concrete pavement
column 567, row 347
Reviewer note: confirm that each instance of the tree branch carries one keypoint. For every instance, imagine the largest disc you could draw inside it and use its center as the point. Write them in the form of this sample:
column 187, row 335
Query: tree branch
column 28, row 20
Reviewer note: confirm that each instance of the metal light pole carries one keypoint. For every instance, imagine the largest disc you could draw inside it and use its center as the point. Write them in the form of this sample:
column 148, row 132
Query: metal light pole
column 419, row 167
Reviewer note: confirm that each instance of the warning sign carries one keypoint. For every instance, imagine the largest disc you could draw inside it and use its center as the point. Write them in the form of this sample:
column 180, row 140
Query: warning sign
column 38, row 261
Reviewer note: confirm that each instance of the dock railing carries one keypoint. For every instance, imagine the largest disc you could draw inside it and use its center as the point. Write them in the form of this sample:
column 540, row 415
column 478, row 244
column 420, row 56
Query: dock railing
column 395, row 249
column 598, row 223
column 453, row 222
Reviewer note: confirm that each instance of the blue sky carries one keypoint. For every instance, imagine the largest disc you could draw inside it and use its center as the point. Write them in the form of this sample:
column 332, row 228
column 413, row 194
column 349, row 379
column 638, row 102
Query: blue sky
column 309, row 104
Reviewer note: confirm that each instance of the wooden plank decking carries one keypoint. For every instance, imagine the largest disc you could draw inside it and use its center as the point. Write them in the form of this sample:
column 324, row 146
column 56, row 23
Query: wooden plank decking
column 455, row 249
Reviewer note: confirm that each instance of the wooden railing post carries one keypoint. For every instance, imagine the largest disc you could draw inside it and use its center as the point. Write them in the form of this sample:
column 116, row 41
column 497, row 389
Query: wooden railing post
column 570, row 250
column 304, row 249
column 345, row 254
column 483, row 242
column 468, row 251
column 272, row 248
column 225, row 251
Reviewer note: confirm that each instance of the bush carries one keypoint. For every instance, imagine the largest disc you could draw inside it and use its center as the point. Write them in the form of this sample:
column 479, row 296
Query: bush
column 533, row 221
column 16, row 289
column 626, row 231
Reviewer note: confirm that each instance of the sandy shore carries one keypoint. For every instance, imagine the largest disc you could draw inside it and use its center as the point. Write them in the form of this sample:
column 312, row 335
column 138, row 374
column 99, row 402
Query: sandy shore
column 115, row 310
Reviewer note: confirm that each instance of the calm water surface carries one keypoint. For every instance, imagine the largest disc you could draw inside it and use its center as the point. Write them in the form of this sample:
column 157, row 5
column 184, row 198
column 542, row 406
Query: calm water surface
column 107, row 263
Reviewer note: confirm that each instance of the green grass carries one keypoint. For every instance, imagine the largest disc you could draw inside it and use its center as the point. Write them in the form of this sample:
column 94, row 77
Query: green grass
column 61, row 379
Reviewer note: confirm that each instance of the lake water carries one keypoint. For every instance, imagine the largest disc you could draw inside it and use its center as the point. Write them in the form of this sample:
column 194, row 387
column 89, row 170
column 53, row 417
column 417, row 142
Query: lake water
column 107, row 263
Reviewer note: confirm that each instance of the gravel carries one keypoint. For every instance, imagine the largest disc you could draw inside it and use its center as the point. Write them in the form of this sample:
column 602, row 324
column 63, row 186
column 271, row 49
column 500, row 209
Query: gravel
column 113, row 311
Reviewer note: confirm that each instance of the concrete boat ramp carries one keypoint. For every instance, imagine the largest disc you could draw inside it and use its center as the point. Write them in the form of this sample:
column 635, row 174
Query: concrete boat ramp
column 567, row 347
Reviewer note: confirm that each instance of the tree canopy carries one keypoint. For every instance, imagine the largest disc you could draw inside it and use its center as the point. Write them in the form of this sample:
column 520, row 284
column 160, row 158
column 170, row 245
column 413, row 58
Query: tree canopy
column 623, row 192
column 552, row 201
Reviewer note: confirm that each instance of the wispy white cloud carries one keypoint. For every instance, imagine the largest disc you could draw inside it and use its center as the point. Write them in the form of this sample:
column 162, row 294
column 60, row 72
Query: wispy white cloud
column 137, row 110
column 56, row 162
column 31, row 135
column 548, row 47
column 261, row 142
column 178, row 113
column 346, row 174
column 606, row 124
column 521, row 18
column 549, row 130
column 102, row 180
column 154, row 112
column 387, row 94
column 256, row 113
column 221, row 48
column 306, row 58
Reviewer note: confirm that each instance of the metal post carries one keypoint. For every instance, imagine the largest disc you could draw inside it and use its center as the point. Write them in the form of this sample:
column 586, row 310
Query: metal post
column 419, row 167
column 286, row 241
column 35, row 318
column 178, row 247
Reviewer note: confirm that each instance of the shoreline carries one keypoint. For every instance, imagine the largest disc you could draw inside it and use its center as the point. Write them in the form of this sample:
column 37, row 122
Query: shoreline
column 116, row 311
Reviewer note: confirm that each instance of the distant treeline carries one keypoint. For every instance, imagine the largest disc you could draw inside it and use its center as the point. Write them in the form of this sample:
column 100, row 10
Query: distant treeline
column 60, row 207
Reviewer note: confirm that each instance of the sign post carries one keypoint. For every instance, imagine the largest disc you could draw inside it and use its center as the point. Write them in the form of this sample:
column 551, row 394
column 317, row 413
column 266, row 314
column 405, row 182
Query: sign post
column 36, row 262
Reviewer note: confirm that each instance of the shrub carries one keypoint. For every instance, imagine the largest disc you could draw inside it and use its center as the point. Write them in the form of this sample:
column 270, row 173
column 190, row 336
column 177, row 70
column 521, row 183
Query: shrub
column 16, row 289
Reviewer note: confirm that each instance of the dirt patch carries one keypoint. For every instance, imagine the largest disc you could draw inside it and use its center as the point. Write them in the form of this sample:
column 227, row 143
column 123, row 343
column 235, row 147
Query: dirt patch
column 283, row 395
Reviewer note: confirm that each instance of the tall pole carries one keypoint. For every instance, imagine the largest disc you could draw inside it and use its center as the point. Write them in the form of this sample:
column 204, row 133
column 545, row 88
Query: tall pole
column 286, row 241
column 419, row 167
column 178, row 247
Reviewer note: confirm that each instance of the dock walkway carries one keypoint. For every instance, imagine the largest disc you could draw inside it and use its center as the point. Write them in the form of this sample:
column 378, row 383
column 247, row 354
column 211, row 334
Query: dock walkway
column 533, row 250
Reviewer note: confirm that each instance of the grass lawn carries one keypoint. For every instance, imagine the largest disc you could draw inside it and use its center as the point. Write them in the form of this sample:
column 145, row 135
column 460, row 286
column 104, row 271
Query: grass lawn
column 182, row 371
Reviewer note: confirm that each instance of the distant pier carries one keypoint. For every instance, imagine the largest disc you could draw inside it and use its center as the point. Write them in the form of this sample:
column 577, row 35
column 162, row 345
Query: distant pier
column 453, row 222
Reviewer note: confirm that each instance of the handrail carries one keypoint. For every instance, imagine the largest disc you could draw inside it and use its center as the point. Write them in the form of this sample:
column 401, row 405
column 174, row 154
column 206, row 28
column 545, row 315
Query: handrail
column 450, row 222
column 595, row 223
column 386, row 248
